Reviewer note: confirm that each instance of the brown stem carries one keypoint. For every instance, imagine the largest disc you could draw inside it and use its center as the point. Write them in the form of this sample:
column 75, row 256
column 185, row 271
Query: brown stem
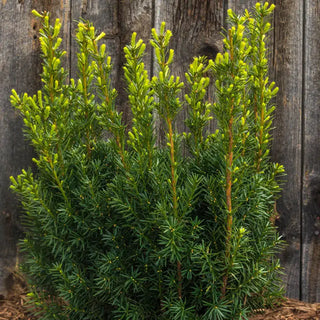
column 228, row 199
column 229, row 179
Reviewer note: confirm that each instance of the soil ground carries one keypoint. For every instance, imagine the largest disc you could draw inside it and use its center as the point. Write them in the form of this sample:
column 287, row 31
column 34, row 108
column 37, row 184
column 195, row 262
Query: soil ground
column 14, row 308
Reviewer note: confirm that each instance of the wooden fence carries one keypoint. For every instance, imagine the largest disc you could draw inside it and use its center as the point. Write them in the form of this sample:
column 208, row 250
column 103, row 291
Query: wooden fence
column 196, row 25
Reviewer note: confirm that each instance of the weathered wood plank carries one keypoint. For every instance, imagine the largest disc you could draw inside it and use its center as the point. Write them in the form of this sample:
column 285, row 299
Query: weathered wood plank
column 20, row 67
column 240, row 5
column 311, row 156
column 286, row 148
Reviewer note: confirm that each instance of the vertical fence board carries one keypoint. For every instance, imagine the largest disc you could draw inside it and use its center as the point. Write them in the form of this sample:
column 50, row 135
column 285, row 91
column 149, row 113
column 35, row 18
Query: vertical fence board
column 311, row 156
column 286, row 149
column 20, row 67
column 19, row 64
column 136, row 16
column 240, row 5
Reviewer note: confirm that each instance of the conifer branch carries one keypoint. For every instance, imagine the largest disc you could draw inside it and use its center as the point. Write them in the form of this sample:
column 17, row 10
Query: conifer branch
column 199, row 113
column 167, row 89
column 141, row 136
column 102, row 68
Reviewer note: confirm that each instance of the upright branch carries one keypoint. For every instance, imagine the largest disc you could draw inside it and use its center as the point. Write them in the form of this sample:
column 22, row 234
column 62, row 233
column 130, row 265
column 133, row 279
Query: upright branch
column 46, row 114
column 229, row 165
column 262, row 91
column 230, row 152
column 141, row 137
column 199, row 110
column 230, row 71
column 85, row 69
column 106, row 113
column 166, row 89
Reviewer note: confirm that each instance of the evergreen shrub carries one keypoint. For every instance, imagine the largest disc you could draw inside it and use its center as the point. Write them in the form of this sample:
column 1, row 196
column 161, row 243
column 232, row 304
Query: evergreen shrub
column 124, row 228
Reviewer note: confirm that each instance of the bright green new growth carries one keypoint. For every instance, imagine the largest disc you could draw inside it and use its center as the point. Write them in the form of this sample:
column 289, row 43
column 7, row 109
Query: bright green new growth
column 127, row 229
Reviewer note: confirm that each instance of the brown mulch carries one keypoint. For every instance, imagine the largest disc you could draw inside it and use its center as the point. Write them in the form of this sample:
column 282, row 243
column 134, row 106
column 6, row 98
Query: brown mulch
column 291, row 309
column 14, row 308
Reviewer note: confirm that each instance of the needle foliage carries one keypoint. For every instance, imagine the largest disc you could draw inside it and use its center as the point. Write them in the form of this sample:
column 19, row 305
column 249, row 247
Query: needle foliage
column 124, row 228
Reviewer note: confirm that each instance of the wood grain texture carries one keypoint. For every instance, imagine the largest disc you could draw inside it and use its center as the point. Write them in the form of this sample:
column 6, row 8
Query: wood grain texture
column 20, row 67
column 286, row 148
column 310, row 290
column 240, row 5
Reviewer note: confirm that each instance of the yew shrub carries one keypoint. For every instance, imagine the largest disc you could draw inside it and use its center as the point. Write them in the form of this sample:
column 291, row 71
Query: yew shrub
column 124, row 228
